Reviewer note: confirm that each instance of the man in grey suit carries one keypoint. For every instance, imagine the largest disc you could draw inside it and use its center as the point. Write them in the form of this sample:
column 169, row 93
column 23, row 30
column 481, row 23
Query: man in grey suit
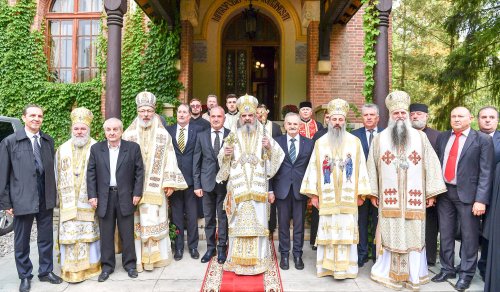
column 466, row 157
column 28, row 191
column 205, row 168
column 291, row 204
column 488, row 123
column 418, row 117
column 184, row 201
column 115, row 180
column 370, row 129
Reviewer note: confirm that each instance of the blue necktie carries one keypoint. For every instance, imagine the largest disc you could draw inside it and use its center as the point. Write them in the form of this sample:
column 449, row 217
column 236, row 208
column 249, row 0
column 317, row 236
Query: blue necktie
column 293, row 154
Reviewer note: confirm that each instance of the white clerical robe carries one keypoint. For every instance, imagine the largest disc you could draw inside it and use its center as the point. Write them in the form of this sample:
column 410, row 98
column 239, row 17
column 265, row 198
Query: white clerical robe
column 78, row 236
column 151, row 226
column 231, row 121
column 248, row 172
column 337, row 177
column 402, row 180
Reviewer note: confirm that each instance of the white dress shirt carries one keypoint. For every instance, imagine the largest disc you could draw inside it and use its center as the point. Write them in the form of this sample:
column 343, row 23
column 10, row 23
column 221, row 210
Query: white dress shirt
column 297, row 144
column 221, row 135
column 113, row 159
column 461, row 143
column 186, row 129
column 30, row 136
column 367, row 132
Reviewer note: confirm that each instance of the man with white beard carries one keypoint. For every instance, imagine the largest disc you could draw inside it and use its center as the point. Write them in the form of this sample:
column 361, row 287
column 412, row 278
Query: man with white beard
column 78, row 236
column 337, row 180
column 248, row 161
column 162, row 177
column 405, row 177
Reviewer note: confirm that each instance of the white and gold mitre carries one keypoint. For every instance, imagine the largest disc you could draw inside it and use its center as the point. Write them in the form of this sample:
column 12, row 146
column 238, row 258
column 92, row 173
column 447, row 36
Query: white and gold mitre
column 247, row 104
column 145, row 98
column 338, row 106
column 81, row 115
column 397, row 100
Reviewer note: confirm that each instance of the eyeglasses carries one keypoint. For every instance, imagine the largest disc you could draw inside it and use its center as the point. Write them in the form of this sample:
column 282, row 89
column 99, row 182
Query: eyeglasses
column 146, row 111
column 195, row 106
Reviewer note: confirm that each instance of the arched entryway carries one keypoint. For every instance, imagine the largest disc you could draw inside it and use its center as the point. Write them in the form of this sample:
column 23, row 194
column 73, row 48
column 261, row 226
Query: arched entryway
column 251, row 65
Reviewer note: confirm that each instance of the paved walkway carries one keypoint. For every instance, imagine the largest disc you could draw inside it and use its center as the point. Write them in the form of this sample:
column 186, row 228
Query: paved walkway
column 187, row 275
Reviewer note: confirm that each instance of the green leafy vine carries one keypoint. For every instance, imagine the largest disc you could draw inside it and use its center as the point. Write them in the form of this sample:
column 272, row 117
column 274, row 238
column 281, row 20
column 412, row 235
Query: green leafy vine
column 370, row 24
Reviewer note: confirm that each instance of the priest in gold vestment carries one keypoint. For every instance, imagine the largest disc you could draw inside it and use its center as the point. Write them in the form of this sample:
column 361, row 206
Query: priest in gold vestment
column 405, row 178
column 336, row 179
column 78, row 236
column 248, row 161
column 161, row 177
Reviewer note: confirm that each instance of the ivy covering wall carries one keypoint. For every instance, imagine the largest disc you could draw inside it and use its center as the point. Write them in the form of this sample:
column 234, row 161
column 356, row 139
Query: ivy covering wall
column 148, row 64
column 370, row 24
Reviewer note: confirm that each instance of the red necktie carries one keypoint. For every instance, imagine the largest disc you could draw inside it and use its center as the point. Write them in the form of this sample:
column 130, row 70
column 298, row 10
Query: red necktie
column 449, row 172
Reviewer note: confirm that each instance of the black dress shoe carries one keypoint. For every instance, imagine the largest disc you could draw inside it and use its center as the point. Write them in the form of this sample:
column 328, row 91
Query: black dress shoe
column 362, row 261
column 221, row 256
column 51, row 278
column 313, row 247
column 178, row 254
column 25, row 285
column 103, row 276
column 462, row 284
column 194, row 253
column 132, row 273
column 299, row 264
column 284, row 264
column 208, row 256
column 442, row 276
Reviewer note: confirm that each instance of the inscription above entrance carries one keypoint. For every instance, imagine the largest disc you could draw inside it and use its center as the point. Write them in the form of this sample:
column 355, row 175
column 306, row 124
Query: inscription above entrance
column 272, row 4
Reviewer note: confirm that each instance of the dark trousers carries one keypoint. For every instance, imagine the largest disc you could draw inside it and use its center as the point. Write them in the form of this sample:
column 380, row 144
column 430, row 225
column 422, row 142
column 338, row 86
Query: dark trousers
column 314, row 225
column 431, row 234
column 449, row 207
column 213, row 206
column 45, row 240
column 272, row 218
column 184, row 203
column 483, row 259
column 107, row 230
column 290, row 208
column 366, row 211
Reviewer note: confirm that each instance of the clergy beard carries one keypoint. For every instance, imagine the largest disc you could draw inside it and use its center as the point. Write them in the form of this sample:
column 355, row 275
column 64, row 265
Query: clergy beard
column 249, row 128
column 144, row 124
column 80, row 141
column 400, row 135
column 336, row 136
column 418, row 124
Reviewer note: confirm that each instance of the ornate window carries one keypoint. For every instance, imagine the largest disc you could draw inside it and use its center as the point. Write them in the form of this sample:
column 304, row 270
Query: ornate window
column 73, row 28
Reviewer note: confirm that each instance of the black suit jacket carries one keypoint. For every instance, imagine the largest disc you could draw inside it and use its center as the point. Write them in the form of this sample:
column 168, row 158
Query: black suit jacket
column 129, row 176
column 291, row 174
column 474, row 167
column 205, row 164
column 361, row 134
column 432, row 135
column 496, row 145
column 18, row 180
column 185, row 159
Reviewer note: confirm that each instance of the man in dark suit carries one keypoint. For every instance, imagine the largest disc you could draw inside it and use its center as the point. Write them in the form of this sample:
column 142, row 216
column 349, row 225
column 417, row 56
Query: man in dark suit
column 488, row 123
column 28, row 191
column 370, row 114
column 184, row 201
column 418, row 118
column 205, row 168
column 286, row 183
column 115, row 180
column 466, row 157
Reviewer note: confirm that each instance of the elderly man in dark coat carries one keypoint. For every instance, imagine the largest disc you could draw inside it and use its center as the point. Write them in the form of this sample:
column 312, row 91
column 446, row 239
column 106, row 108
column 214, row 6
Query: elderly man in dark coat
column 28, row 185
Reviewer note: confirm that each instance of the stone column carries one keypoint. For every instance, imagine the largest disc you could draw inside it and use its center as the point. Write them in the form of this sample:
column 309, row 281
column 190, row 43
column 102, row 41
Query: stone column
column 381, row 70
column 115, row 9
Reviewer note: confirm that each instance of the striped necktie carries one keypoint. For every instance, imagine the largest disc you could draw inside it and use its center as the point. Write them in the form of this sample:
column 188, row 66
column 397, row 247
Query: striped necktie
column 293, row 151
column 181, row 140
column 38, row 156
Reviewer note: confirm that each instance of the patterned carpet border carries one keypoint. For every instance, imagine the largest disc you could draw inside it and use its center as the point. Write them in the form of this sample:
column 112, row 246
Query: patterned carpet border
column 272, row 277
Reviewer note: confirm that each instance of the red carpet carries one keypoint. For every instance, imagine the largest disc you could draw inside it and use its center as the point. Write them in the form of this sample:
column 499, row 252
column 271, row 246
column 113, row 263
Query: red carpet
column 216, row 279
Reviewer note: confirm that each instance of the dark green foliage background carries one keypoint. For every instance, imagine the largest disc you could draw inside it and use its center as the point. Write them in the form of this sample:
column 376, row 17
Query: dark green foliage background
column 147, row 64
